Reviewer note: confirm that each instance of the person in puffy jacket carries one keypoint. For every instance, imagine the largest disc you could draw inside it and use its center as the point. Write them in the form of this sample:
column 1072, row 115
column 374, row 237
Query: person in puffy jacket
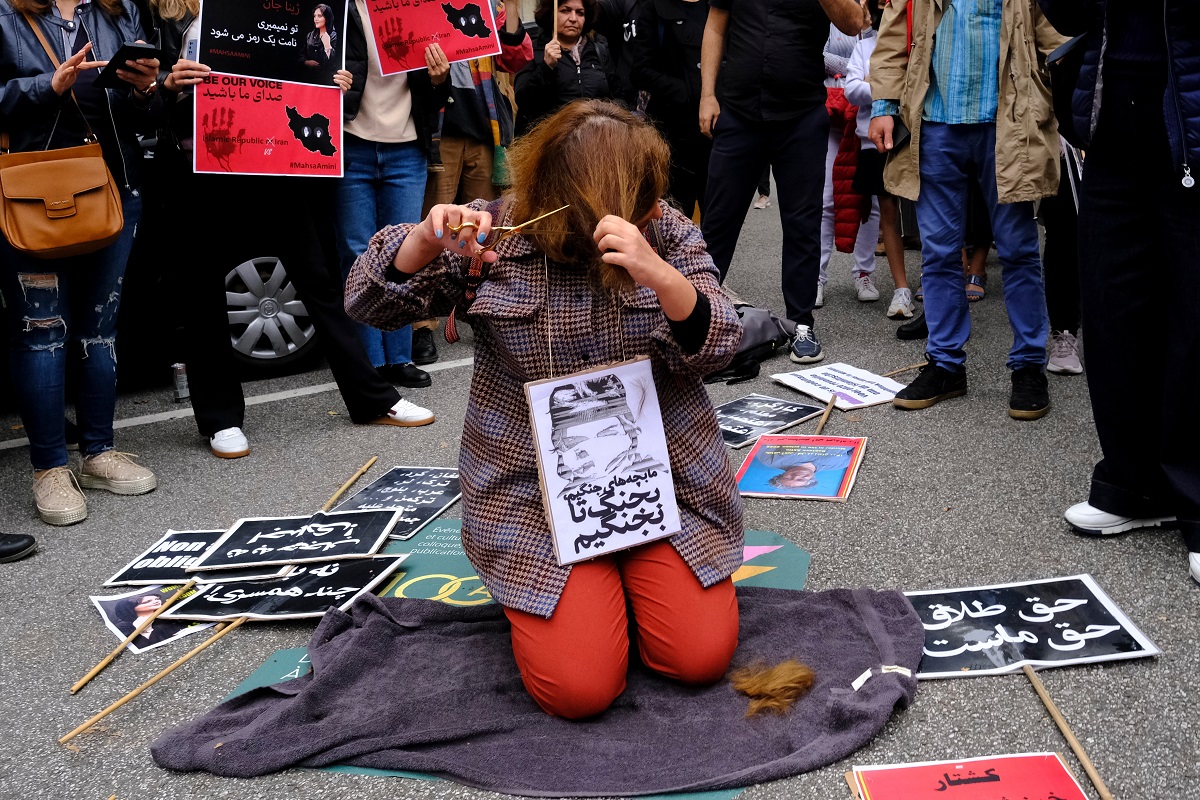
column 1136, row 113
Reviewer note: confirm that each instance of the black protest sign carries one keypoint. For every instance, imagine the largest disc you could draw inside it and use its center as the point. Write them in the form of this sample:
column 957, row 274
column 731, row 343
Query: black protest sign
column 992, row 630
column 309, row 590
column 167, row 560
column 420, row 494
column 277, row 39
column 745, row 419
column 255, row 541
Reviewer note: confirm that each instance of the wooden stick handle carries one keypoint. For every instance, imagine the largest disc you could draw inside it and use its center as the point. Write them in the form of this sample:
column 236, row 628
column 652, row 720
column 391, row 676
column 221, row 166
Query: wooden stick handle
column 1076, row 747
column 180, row 592
column 329, row 503
column 909, row 368
column 825, row 417
column 221, row 631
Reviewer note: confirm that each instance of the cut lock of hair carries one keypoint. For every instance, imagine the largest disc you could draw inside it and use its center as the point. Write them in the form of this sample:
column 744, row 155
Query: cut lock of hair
column 598, row 158
column 772, row 689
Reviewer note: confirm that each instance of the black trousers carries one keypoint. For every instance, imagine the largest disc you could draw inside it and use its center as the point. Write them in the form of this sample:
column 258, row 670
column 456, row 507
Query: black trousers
column 690, row 151
column 1060, row 256
column 248, row 216
column 795, row 151
column 1139, row 257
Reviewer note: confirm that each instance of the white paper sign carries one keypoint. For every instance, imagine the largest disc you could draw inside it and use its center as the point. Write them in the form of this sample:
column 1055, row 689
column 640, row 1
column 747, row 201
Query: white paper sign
column 854, row 387
column 602, row 457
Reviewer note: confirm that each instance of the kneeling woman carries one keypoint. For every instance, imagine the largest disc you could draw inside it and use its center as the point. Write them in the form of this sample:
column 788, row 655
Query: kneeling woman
column 581, row 289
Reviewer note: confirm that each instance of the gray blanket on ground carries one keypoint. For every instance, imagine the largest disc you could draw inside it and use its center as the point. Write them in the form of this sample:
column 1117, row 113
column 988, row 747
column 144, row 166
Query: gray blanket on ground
column 423, row 686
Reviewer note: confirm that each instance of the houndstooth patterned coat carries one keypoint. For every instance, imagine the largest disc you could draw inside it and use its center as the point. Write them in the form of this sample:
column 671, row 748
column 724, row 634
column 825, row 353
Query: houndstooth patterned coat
column 520, row 323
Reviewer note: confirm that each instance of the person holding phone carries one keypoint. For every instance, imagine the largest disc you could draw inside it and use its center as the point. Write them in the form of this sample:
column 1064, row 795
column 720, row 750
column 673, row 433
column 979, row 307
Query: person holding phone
column 64, row 311
column 979, row 111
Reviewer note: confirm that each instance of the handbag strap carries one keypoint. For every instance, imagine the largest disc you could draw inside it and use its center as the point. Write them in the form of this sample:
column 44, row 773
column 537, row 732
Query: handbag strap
column 37, row 31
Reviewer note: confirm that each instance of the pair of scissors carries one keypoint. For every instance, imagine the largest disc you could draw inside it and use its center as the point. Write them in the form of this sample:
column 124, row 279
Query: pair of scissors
column 501, row 232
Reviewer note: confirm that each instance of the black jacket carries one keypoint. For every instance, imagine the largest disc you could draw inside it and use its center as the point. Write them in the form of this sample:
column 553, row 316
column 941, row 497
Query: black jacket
column 427, row 99
column 666, row 61
column 542, row 90
column 1181, row 103
column 30, row 109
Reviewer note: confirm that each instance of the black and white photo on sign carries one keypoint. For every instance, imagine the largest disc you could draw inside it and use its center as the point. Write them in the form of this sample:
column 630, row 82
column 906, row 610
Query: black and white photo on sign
column 992, row 630
column 420, row 494
column 168, row 559
column 743, row 420
column 854, row 387
column 602, row 458
column 332, row 536
column 308, row 590
column 122, row 613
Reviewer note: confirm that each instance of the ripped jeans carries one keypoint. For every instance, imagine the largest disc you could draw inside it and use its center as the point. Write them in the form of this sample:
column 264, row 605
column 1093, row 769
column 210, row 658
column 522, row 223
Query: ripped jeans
column 62, row 314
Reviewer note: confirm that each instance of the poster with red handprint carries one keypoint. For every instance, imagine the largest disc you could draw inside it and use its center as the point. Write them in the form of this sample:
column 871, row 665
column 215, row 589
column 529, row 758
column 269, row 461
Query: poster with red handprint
column 402, row 29
column 258, row 126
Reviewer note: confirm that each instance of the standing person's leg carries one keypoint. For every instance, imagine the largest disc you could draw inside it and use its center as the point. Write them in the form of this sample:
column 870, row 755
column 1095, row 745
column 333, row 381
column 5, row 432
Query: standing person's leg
column 354, row 213
column 739, row 154
column 1060, row 265
column 313, row 265
column 475, row 181
column 833, row 143
column 797, row 157
column 764, row 187
column 95, row 300
column 442, row 186
column 901, row 306
column 216, row 389
column 864, row 255
column 574, row 663
column 1125, row 193
column 399, row 196
column 945, row 160
column 1015, row 233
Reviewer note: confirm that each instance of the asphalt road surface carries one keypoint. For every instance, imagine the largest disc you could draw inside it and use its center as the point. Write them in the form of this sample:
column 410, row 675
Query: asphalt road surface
column 957, row 495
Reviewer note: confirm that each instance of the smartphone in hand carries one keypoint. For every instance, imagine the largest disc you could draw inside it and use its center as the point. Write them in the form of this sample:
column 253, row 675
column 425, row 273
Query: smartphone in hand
column 130, row 51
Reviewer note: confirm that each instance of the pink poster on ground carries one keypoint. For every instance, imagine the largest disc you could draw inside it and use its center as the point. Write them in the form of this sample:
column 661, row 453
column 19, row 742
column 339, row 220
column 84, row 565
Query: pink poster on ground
column 258, row 126
column 402, row 29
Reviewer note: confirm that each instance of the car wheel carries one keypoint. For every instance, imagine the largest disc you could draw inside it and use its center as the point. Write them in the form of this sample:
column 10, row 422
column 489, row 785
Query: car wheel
column 268, row 324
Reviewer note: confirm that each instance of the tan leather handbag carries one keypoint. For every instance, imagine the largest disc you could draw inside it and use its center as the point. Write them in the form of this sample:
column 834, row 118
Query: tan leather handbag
column 58, row 203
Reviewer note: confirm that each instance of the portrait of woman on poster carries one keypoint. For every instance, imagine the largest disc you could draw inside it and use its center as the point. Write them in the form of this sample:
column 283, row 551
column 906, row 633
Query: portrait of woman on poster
column 321, row 46
column 129, row 612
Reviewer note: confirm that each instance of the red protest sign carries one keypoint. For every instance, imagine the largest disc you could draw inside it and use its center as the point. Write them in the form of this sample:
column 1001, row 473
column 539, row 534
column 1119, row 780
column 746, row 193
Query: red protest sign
column 402, row 29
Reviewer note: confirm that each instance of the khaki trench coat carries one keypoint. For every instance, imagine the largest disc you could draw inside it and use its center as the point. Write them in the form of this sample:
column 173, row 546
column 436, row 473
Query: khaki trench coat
column 1027, row 146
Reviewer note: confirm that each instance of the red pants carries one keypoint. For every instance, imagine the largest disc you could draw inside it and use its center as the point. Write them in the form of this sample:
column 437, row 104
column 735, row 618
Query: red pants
column 574, row 663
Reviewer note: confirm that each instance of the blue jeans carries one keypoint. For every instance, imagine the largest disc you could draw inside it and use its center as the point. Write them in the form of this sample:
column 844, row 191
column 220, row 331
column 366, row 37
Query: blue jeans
column 59, row 311
column 951, row 155
column 384, row 184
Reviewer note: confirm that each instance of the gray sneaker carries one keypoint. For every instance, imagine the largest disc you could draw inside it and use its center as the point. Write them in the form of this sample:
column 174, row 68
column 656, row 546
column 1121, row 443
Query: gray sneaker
column 58, row 497
column 805, row 347
column 116, row 472
column 1064, row 354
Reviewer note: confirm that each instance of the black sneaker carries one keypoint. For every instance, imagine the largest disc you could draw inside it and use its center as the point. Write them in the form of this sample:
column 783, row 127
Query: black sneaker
column 424, row 351
column 1030, row 397
column 913, row 329
column 409, row 375
column 931, row 386
column 15, row 546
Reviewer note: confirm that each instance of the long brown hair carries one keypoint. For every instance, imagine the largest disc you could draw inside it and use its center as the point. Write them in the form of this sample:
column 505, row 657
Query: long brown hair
column 595, row 156
column 114, row 8
column 175, row 9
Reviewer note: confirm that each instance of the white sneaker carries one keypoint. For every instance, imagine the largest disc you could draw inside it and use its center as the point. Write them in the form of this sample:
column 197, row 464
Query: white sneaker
column 1086, row 518
column 820, row 296
column 406, row 415
column 1064, row 354
column 1194, row 565
column 763, row 201
column 229, row 443
column 867, row 293
column 902, row 305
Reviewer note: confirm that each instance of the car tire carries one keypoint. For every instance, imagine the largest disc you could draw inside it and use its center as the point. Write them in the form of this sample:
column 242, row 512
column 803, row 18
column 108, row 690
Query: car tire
column 269, row 326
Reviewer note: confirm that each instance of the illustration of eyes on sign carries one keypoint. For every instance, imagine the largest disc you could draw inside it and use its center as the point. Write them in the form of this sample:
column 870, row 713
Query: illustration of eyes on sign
column 402, row 29
column 602, row 460
column 993, row 630
column 269, row 107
